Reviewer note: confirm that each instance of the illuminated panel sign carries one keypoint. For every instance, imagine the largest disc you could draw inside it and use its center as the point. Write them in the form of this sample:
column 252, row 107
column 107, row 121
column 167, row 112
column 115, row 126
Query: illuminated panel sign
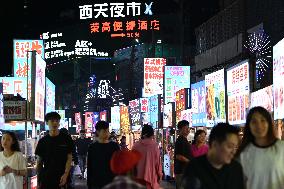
column 135, row 114
column 124, row 120
column 182, row 102
column 215, row 98
column 176, row 78
column 2, row 121
column 278, row 84
column 50, row 96
column 155, row 104
column 263, row 97
column 21, row 47
column 115, row 118
column 144, row 109
column 238, row 93
column 103, row 115
column 15, row 85
column 153, row 76
column 198, row 94
column 62, row 115
column 168, row 115
column 78, row 121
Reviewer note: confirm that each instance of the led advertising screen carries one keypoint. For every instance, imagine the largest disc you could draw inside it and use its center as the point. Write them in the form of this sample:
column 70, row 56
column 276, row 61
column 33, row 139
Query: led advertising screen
column 198, row 104
column 62, row 115
column 215, row 98
column 144, row 109
column 39, row 88
column 103, row 115
column 124, row 120
column 22, row 65
column 262, row 97
column 155, row 104
column 238, row 93
column 15, row 85
column 153, row 76
column 278, row 84
column 168, row 115
column 50, row 96
column 91, row 118
column 187, row 115
column 115, row 118
column 176, row 78
column 135, row 115
column 2, row 120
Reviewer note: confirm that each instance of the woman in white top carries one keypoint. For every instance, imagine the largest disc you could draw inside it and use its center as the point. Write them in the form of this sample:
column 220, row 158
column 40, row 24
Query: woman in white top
column 12, row 163
column 261, row 153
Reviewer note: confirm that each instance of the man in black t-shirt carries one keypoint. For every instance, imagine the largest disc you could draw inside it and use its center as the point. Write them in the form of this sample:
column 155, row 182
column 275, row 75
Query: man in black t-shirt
column 82, row 145
column 100, row 153
column 54, row 155
column 182, row 151
column 217, row 169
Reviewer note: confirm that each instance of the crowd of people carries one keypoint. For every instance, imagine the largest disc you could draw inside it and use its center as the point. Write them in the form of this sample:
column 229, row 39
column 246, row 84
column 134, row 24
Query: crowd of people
column 223, row 162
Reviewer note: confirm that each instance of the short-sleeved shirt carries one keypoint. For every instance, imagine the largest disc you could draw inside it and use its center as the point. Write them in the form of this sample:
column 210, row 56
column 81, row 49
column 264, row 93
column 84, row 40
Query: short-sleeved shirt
column 200, row 174
column 54, row 152
column 99, row 172
column 182, row 147
column 17, row 162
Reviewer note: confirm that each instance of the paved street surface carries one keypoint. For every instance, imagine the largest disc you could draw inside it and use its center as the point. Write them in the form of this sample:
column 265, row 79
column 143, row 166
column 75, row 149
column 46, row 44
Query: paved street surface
column 81, row 184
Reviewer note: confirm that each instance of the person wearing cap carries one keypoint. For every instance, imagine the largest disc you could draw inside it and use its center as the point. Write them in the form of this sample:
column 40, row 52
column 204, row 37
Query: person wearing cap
column 122, row 163
column 149, row 168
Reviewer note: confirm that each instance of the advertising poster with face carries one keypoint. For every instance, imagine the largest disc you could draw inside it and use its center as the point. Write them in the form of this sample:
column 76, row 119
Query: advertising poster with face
column 262, row 97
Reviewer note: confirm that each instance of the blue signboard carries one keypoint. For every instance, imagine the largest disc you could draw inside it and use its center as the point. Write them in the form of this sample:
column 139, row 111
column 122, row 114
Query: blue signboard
column 154, row 110
column 198, row 94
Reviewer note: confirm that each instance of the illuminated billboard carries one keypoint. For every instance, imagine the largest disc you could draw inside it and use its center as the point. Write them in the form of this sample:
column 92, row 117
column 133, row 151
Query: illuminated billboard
column 168, row 115
column 153, row 76
column 198, row 94
column 2, row 121
column 50, row 96
column 278, row 75
column 115, row 118
column 22, row 65
column 176, row 78
column 238, row 93
column 135, row 114
column 124, row 120
column 215, row 98
column 15, row 85
column 263, row 97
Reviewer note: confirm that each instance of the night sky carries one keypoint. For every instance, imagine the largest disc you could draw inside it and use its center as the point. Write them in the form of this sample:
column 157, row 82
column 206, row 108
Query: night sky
column 41, row 16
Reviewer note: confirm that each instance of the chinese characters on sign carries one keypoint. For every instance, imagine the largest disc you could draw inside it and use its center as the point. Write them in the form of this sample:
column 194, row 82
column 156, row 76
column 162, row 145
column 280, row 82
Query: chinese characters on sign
column 114, row 10
column 16, row 85
column 176, row 78
column 115, row 118
column 215, row 98
column 263, row 97
column 182, row 102
column 153, row 76
column 278, row 84
column 129, row 29
column 124, row 120
column 103, row 89
column 145, row 114
column 22, row 63
column 39, row 88
column 238, row 93
column 15, row 110
column 134, row 112
column 198, row 104
column 54, row 47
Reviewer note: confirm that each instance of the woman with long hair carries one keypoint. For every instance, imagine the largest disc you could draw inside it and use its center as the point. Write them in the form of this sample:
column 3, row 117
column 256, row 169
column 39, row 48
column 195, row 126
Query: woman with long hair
column 12, row 163
column 149, row 168
column 261, row 153
column 199, row 146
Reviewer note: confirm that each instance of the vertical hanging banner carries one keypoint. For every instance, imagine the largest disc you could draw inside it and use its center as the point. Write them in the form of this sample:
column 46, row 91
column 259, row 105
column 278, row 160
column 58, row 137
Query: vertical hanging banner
column 22, row 68
column 78, row 121
column 38, row 88
column 238, row 93
column 215, row 98
column 155, row 111
column 278, row 75
column 182, row 102
column 135, row 114
column 2, row 120
column 103, row 115
column 176, row 78
column 115, row 118
column 124, row 120
column 153, row 76
column 145, row 113
column 50, row 96
column 168, row 115
column 198, row 104
column 186, row 115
